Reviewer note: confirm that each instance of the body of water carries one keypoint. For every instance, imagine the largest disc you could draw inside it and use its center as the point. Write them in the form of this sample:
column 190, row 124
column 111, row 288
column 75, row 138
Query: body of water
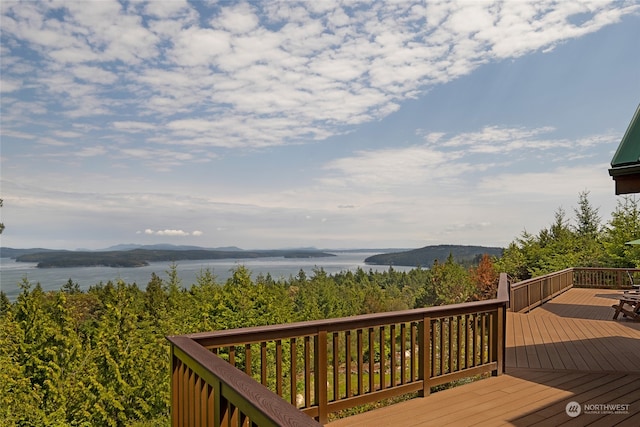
column 12, row 273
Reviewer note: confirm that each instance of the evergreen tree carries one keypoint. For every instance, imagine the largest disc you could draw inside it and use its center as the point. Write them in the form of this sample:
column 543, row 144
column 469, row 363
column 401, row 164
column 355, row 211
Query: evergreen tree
column 587, row 218
column 623, row 227
column 1, row 223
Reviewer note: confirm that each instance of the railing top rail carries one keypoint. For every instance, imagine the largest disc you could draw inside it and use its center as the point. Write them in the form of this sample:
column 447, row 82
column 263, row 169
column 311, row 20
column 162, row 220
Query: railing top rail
column 265, row 402
column 298, row 329
column 608, row 268
column 538, row 278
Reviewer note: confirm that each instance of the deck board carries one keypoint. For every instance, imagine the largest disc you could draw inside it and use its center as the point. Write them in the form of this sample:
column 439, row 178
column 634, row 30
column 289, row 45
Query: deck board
column 569, row 349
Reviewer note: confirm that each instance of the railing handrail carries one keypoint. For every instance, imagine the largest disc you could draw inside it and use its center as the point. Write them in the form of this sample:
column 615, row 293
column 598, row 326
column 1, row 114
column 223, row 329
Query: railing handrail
column 634, row 269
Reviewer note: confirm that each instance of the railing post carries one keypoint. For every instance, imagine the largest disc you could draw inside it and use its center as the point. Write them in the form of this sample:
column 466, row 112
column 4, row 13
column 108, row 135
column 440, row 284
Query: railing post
column 501, row 337
column 218, row 404
column 424, row 356
column 320, row 368
column 175, row 394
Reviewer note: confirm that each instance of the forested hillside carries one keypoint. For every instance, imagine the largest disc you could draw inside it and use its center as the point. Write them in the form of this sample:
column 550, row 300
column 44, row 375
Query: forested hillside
column 100, row 357
column 424, row 257
column 580, row 240
column 141, row 257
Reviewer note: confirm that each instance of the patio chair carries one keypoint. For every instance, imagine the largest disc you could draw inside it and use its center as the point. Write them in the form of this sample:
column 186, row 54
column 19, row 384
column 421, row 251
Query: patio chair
column 629, row 306
column 636, row 287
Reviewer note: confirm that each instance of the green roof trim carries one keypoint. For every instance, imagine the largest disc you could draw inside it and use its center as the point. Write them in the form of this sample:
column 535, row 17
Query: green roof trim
column 628, row 152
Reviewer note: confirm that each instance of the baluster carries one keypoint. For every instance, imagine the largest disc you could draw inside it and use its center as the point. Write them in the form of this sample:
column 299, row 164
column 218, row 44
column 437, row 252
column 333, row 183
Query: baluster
column 293, row 373
column 347, row 360
column 372, row 351
column 307, row 371
column 263, row 363
column 392, row 345
column 336, row 361
column 450, row 346
column 279, row 367
column 247, row 359
column 413, row 332
column 383, row 355
column 403, row 351
column 360, row 351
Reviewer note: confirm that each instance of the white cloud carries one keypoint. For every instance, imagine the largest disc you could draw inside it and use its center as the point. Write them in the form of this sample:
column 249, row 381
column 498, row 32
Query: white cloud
column 442, row 158
column 92, row 151
column 129, row 89
column 237, row 19
column 94, row 74
column 133, row 126
column 172, row 232
column 254, row 74
column 8, row 85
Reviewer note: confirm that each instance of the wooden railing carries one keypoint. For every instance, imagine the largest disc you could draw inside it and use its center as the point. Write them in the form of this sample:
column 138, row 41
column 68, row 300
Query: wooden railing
column 610, row 278
column 207, row 391
column 325, row 366
column 530, row 293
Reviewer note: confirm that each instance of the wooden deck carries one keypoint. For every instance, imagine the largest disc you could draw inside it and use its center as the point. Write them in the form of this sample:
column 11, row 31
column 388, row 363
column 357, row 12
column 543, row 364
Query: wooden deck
column 568, row 350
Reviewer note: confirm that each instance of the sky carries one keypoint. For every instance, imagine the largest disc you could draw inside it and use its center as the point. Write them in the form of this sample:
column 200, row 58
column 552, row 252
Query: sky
column 276, row 124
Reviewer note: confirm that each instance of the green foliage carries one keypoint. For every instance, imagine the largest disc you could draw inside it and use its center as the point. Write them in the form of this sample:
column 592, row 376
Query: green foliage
column 623, row 227
column 585, row 242
column 450, row 283
column 100, row 357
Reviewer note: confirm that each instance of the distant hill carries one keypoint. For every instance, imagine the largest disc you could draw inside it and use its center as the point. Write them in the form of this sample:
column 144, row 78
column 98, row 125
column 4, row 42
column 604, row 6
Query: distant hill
column 142, row 257
column 168, row 247
column 14, row 253
column 424, row 257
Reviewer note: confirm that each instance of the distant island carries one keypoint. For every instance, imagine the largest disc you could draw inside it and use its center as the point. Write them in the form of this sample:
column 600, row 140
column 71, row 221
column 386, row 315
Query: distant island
column 425, row 257
column 142, row 257
column 131, row 255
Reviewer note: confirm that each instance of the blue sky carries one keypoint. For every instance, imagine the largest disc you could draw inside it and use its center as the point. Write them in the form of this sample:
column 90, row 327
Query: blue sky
column 328, row 124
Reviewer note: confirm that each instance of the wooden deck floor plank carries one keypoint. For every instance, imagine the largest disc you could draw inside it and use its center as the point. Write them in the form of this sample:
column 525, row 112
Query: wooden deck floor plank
column 565, row 393
column 589, row 335
column 551, row 348
column 542, row 347
column 633, row 418
column 599, row 386
column 520, row 350
column 576, row 350
column 588, row 358
column 530, row 344
column 601, row 396
column 562, row 339
column 615, row 351
column 558, row 350
column 623, row 343
column 508, row 412
column 534, row 393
